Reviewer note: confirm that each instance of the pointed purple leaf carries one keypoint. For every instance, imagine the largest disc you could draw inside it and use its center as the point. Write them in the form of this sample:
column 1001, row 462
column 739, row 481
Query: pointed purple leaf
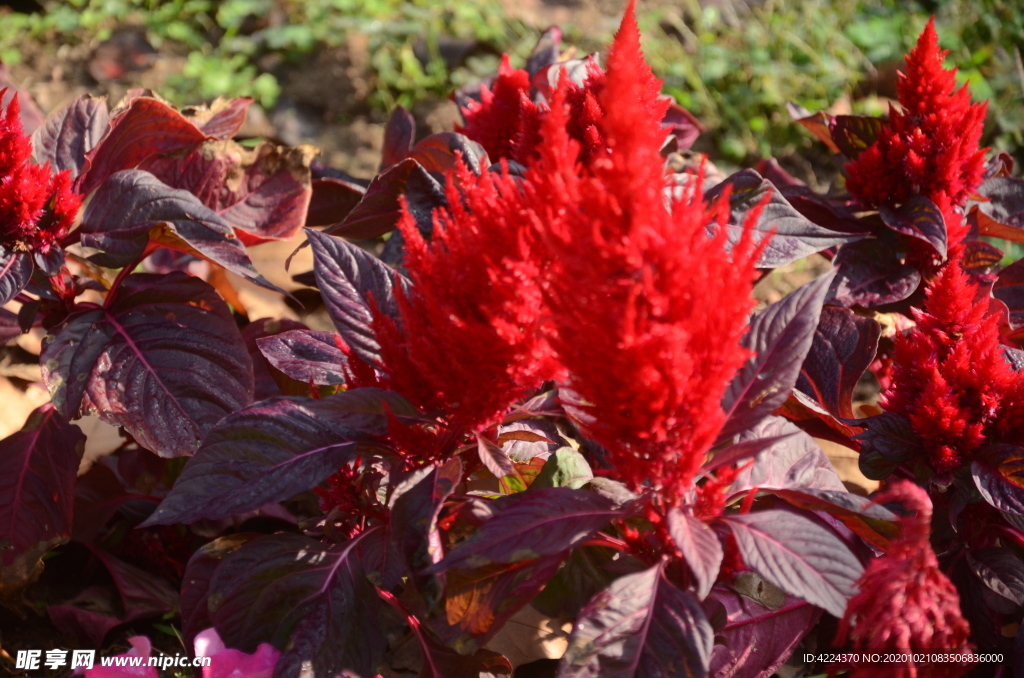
column 494, row 458
column 918, row 218
column 799, row 555
column 870, row 273
column 843, row 347
column 1009, row 289
column 350, row 280
column 853, row 134
column 70, row 133
column 15, row 273
column 700, row 547
column 793, row 236
column 195, row 585
column 399, row 134
column 531, row 525
column 640, row 627
column 1000, row 478
column 873, row 523
column 310, row 600
column 794, row 461
column 306, row 356
column 164, row 359
column 780, row 337
column 1000, row 570
column 332, row 200
column 268, row 380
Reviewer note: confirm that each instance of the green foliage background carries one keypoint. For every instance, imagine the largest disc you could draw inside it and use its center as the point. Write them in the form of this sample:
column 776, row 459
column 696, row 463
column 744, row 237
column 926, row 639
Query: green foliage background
column 734, row 65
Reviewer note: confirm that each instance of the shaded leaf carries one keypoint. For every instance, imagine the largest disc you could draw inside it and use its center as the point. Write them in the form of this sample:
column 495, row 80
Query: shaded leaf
column 439, row 153
column 143, row 595
column 700, row 547
column 306, row 355
column 812, row 418
column 195, row 585
column 564, row 468
column 1002, row 214
column 1009, row 289
column 641, row 626
column 15, row 273
column 793, row 236
column 780, row 337
column 1000, row 478
column 980, row 258
column 310, row 600
column 587, row 571
column 799, row 555
column 399, row 134
column 133, row 208
column 870, row 273
column 414, row 516
column 268, row 380
column 755, row 640
column 266, row 453
column 890, row 435
column 38, row 466
column 331, row 200
column 853, row 134
column 70, row 133
column 844, row 345
column 532, row 525
column 918, row 218
column 352, row 279
column 164, row 359
column 1000, row 570
column 378, row 211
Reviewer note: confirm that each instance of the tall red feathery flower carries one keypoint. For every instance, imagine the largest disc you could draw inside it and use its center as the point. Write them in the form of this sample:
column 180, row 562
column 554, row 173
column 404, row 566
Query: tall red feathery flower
column 37, row 207
column 506, row 120
column 905, row 603
column 929, row 145
column 950, row 378
column 647, row 309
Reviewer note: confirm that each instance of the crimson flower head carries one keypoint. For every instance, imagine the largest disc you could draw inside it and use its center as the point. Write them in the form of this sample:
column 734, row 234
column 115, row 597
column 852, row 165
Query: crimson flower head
column 950, row 378
column 905, row 603
column 930, row 144
column 37, row 207
column 647, row 309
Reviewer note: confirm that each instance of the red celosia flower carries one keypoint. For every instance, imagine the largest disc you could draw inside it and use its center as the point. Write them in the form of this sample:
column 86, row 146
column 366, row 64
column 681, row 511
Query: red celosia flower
column 905, row 603
column 647, row 309
column 930, row 145
column 950, row 378
column 470, row 341
column 506, row 120
column 37, row 207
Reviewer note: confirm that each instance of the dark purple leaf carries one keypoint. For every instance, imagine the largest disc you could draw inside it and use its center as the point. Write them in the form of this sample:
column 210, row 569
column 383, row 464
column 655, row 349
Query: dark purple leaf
column 793, row 235
column 756, row 640
column 38, row 466
column 331, row 200
column 545, row 52
column 378, row 212
column 310, row 600
column 133, row 208
column 306, row 355
column 799, row 555
column 1009, row 289
column 843, row 347
column 532, row 525
column 143, row 595
column 793, row 461
column 1002, row 216
column 873, row 523
column 90, row 615
column 415, row 513
column 164, row 359
column 682, row 125
column 780, row 337
column 829, row 212
column 891, row 436
column 700, row 548
column 70, row 133
column 871, row 273
column 269, row 452
column 15, row 273
column 980, row 258
column 350, row 280
column 268, row 380
column 812, row 418
column 743, row 449
column 853, row 134
column 145, row 127
column 588, row 571
column 641, row 626
column 918, row 218
column 262, row 193
column 98, row 496
column 442, row 662
column 195, row 585
column 399, row 134
column 999, row 477
column 493, row 458
column 1000, row 570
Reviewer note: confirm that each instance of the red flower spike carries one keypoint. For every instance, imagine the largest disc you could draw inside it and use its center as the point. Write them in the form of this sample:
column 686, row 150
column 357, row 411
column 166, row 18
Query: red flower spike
column 929, row 145
column 37, row 207
column 949, row 376
column 662, row 306
column 905, row 603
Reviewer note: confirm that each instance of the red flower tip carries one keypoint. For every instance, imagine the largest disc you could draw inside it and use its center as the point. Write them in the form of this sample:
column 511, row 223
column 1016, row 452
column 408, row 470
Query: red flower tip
column 37, row 207
column 904, row 602
column 928, row 146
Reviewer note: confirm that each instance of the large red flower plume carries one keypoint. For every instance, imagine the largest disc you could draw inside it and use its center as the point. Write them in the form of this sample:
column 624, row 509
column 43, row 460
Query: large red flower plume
column 930, row 144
